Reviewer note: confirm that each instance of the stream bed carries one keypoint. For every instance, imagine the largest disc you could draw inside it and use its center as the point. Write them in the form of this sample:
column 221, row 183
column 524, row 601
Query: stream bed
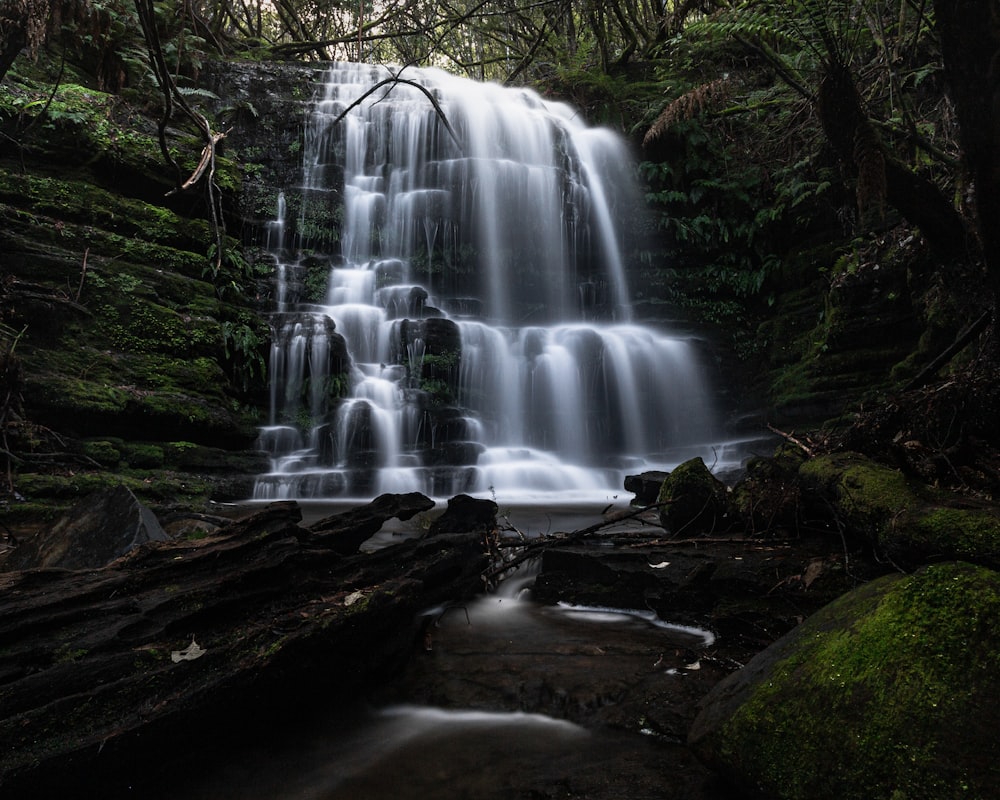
column 506, row 698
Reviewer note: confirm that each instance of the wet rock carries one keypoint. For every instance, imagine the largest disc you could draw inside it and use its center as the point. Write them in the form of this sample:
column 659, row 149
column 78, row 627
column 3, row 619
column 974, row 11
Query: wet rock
column 696, row 501
column 466, row 514
column 645, row 486
column 344, row 533
column 104, row 526
column 891, row 690
column 768, row 498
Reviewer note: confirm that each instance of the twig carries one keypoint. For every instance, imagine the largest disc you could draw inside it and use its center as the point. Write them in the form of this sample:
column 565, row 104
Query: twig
column 531, row 548
column 83, row 274
column 713, row 540
column 395, row 80
column 959, row 344
column 791, row 438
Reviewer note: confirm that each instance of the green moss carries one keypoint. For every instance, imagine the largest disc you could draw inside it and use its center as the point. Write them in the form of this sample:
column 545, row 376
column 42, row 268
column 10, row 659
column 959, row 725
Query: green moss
column 903, row 701
column 103, row 452
column 68, row 654
column 972, row 533
column 81, row 201
column 76, row 395
column 438, row 390
column 143, row 456
column 910, row 522
column 868, row 493
column 140, row 326
column 30, row 232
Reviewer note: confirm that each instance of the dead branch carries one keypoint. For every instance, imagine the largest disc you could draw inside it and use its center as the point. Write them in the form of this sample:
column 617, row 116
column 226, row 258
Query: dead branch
column 951, row 351
column 207, row 159
column 395, row 79
column 791, row 438
column 531, row 548
column 172, row 98
column 83, row 274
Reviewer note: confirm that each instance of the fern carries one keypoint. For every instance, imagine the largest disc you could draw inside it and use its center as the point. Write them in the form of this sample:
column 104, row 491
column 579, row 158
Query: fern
column 688, row 105
column 191, row 91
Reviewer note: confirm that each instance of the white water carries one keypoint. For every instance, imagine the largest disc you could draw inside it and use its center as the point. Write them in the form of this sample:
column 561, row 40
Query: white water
column 479, row 282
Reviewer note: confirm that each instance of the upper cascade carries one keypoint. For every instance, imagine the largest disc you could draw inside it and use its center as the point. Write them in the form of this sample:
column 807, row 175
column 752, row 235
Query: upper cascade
column 452, row 309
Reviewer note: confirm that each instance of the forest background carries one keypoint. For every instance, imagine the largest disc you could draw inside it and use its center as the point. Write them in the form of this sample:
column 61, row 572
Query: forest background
column 821, row 176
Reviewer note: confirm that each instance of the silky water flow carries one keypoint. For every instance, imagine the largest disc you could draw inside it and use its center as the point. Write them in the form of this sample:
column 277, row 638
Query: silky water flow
column 452, row 309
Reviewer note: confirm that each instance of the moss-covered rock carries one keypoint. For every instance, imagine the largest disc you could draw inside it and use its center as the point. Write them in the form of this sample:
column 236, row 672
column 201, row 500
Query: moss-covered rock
column 909, row 521
column 836, row 340
column 130, row 335
column 891, row 691
column 103, row 452
column 695, row 501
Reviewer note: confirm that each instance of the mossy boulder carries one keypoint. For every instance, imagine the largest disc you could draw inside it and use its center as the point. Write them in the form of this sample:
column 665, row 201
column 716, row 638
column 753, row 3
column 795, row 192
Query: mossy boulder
column 909, row 521
column 695, row 501
column 891, row 691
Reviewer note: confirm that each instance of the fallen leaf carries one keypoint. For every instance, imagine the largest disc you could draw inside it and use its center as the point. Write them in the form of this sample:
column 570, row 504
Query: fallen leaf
column 190, row 653
column 815, row 569
column 353, row 597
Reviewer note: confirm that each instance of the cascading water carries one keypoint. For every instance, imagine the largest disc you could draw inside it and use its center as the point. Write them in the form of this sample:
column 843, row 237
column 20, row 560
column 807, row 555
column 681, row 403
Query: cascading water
column 470, row 328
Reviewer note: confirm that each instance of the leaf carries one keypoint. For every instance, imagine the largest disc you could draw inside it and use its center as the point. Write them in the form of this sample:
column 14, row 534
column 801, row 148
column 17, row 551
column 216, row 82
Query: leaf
column 190, row 653
column 353, row 597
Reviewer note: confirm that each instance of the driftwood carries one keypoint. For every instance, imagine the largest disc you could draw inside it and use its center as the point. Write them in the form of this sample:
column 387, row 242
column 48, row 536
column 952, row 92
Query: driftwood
column 504, row 561
column 109, row 676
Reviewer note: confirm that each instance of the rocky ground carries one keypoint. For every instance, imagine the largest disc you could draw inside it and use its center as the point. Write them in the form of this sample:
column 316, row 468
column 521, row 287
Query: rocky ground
column 634, row 686
column 287, row 620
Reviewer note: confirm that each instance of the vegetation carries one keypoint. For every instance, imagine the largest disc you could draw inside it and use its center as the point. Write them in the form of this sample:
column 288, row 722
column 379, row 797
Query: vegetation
column 880, row 694
column 824, row 195
column 788, row 150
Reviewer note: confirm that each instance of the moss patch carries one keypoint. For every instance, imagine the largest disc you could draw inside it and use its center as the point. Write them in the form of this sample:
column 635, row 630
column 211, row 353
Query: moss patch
column 909, row 521
column 891, row 691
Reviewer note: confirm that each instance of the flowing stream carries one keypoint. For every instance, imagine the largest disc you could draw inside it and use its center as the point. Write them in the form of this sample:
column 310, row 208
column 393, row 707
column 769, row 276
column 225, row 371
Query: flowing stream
column 444, row 736
column 452, row 305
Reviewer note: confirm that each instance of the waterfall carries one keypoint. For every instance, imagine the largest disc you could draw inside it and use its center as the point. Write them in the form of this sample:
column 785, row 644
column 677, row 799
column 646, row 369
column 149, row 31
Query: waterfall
column 452, row 310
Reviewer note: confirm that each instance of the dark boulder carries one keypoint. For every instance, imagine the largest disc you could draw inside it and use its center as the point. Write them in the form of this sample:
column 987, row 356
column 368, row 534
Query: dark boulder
column 645, row 486
column 344, row 533
column 466, row 514
column 104, row 526
column 696, row 502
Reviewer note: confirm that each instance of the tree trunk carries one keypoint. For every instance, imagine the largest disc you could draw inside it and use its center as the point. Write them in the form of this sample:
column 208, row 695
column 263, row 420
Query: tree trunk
column 12, row 42
column 852, row 135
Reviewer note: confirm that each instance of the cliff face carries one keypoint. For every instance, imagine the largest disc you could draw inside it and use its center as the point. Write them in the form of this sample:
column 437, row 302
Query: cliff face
column 130, row 355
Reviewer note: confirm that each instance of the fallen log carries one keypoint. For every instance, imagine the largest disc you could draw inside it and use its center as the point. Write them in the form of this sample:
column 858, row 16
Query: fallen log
column 111, row 678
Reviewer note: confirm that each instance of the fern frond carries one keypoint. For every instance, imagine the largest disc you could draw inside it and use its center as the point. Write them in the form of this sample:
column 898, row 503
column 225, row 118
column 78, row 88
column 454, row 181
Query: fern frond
column 193, row 91
column 756, row 25
column 870, row 161
column 687, row 106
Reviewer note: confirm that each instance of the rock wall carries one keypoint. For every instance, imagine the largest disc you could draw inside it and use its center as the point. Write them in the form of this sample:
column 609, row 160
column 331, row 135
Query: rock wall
column 135, row 356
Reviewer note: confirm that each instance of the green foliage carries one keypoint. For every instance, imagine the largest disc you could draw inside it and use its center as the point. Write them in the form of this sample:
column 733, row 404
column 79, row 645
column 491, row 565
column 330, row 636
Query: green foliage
column 439, row 391
column 716, row 210
column 244, row 343
column 316, row 281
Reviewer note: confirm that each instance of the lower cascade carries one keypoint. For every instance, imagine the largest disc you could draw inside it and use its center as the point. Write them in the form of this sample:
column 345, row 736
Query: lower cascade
column 452, row 310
